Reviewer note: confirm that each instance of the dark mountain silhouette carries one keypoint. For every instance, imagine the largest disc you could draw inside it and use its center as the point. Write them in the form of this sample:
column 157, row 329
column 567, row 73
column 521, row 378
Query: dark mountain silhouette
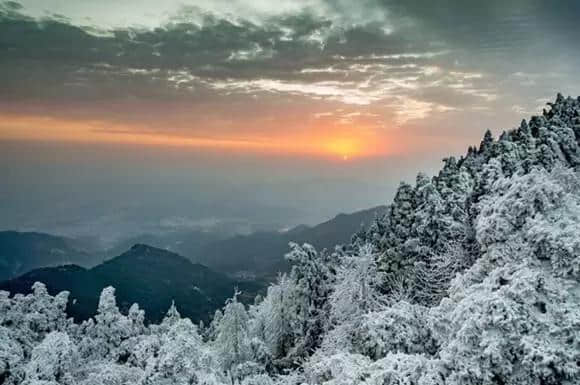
column 186, row 243
column 146, row 275
column 24, row 251
column 262, row 253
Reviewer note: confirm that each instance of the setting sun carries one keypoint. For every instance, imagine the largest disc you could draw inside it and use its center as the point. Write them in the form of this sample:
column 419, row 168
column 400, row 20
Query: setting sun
column 345, row 147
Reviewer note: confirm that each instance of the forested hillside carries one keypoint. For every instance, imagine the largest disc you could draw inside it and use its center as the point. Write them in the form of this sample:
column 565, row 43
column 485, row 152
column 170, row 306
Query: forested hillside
column 471, row 277
column 147, row 275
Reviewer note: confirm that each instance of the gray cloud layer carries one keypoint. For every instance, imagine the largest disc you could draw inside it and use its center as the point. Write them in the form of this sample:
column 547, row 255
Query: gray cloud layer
column 404, row 60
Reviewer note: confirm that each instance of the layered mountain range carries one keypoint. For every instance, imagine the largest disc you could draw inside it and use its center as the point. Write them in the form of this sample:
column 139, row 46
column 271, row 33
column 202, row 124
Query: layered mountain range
column 147, row 275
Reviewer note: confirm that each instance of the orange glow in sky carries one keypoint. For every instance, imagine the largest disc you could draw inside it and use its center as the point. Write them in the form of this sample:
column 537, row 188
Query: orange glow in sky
column 323, row 142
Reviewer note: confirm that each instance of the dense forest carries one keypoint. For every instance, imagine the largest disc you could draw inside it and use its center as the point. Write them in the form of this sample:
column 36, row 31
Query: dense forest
column 471, row 277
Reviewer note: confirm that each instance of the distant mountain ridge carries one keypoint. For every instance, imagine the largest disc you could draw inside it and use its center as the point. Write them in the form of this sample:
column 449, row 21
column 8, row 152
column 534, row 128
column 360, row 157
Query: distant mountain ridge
column 23, row 251
column 146, row 275
column 262, row 253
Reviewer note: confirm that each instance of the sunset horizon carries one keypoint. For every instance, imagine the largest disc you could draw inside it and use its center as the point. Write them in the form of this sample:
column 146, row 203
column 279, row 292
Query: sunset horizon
column 308, row 77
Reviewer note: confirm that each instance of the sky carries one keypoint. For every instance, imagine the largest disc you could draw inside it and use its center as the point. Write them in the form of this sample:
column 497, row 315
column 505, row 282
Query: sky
column 131, row 116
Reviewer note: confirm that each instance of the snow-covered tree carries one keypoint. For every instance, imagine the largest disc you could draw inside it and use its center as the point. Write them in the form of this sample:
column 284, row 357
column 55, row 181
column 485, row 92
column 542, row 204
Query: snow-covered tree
column 54, row 360
column 232, row 342
column 11, row 357
column 111, row 335
column 275, row 320
column 313, row 274
column 519, row 326
column 402, row 328
column 181, row 357
column 357, row 287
